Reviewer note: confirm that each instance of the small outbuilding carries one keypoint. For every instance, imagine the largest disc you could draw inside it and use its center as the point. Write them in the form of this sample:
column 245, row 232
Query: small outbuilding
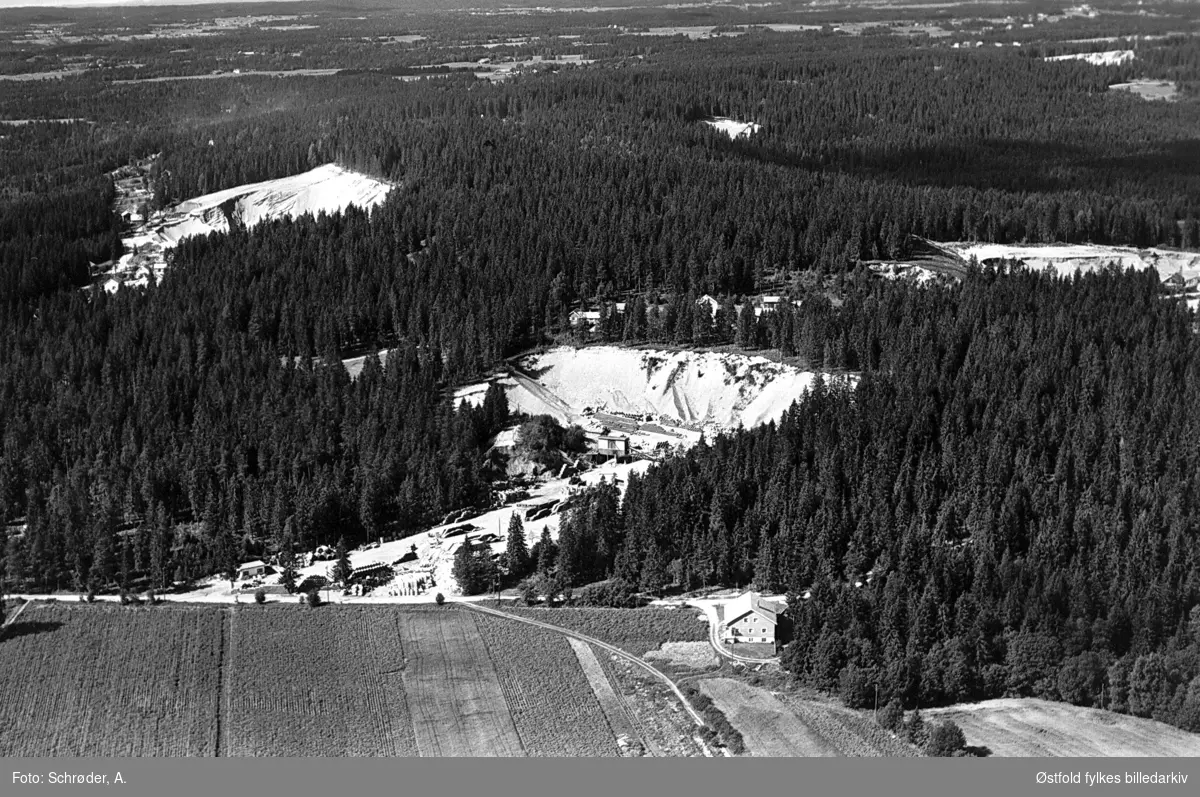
column 612, row 445
column 254, row 569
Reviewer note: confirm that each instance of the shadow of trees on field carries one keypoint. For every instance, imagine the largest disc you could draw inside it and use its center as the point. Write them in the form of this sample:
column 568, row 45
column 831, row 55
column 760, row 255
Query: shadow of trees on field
column 978, row 750
column 27, row 627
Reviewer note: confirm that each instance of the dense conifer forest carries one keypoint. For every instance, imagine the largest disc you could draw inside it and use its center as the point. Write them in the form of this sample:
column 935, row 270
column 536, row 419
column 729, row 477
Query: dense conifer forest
column 1003, row 501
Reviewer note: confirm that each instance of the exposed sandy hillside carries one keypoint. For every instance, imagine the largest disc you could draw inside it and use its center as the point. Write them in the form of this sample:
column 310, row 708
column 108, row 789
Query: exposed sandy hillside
column 733, row 128
column 1107, row 58
column 326, row 189
column 1068, row 258
column 699, row 389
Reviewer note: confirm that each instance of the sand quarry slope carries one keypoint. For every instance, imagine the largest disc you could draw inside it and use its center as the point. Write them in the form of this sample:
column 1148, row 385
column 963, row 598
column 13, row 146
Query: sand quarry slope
column 1027, row 727
column 1106, row 58
column 694, row 388
column 732, row 127
column 326, row 189
column 1069, row 258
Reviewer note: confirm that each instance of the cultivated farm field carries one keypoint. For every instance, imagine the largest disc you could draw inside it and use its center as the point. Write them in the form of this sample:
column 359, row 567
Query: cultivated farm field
column 287, row 680
column 111, row 681
column 315, row 683
column 552, row 701
column 458, row 706
column 1029, row 727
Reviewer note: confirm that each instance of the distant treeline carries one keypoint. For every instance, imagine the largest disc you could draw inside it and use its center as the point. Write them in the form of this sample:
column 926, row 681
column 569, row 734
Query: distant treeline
column 605, row 174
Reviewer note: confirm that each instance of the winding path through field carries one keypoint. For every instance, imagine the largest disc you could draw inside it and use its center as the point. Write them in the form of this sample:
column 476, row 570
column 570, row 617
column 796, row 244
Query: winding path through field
column 659, row 674
column 16, row 614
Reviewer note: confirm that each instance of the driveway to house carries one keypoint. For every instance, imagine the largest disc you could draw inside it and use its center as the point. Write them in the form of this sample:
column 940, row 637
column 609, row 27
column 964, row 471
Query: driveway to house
column 710, row 608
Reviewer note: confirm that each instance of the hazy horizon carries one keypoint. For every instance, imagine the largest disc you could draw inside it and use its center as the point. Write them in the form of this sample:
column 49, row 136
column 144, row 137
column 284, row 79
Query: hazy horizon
column 67, row 4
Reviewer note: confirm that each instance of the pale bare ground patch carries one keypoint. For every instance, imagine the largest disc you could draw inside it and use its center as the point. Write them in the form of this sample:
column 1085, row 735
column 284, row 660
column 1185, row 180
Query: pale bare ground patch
column 1028, row 727
column 236, row 73
column 55, row 75
column 692, row 655
column 619, row 718
column 453, row 691
column 1149, row 89
column 769, row 728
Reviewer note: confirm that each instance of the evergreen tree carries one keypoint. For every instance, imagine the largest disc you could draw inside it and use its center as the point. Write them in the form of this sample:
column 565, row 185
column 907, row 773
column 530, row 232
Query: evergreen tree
column 287, row 565
column 495, row 407
column 516, row 553
column 914, row 729
column 341, row 567
column 654, row 571
column 103, row 564
column 14, row 563
column 891, row 716
column 545, row 553
column 746, row 327
column 635, row 320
